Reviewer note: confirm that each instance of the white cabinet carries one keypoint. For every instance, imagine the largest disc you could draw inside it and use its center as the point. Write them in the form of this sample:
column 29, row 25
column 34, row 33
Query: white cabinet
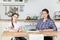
column 12, row 1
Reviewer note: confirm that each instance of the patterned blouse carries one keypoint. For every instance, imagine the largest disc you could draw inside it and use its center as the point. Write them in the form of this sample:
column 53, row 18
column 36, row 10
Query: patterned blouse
column 49, row 24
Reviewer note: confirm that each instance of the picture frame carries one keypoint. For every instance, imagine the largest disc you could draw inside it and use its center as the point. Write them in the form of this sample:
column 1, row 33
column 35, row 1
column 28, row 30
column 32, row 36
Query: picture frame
column 13, row 9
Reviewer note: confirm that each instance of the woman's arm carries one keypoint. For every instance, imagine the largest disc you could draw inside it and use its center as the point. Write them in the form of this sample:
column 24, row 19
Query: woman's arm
column 53, row 26
column 47, row 30
column 38, row 25
column 11, row 29
column 20, row 29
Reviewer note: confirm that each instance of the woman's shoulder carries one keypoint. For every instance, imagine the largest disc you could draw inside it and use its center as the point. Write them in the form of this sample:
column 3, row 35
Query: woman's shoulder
column 50, row 20
column 10, row 22
column 20, row 23
column 39, row 20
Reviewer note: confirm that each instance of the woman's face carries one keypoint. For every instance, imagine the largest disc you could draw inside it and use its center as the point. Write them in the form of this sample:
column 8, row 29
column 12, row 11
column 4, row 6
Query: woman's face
column 15, row 18
column 44, row 14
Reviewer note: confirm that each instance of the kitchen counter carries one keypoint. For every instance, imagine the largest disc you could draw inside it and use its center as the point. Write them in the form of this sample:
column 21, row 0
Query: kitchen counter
column 25, row 20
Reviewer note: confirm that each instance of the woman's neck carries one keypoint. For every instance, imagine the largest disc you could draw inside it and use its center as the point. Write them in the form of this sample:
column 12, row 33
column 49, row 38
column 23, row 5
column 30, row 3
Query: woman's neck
column 44, row 19
column 14, row 21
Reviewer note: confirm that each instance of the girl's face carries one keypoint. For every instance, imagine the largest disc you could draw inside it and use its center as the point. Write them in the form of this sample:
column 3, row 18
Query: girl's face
column 44, row 14
column 15, row 18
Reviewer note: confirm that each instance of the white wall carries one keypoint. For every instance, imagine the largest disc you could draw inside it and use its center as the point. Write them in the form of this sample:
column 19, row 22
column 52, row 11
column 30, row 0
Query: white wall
column 34, row 7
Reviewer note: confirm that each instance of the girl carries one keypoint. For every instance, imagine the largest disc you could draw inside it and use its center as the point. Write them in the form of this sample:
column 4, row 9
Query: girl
column 15, row 26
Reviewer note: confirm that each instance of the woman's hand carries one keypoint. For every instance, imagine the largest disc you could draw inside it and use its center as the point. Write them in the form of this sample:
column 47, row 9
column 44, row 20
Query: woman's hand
column 13, row 30
column 47, row 30
column 16, row 30
column 20, row 30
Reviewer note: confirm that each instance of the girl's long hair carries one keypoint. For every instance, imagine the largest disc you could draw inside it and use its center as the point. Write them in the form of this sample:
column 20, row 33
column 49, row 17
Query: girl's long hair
column 12, row 18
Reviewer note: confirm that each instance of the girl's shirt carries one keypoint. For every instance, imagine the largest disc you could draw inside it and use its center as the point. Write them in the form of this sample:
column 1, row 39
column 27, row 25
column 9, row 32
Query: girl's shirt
column 17, row 25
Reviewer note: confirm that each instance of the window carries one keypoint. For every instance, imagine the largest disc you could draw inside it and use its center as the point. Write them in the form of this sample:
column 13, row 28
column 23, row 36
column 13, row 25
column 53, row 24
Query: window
column 25, row 1
column 18, row 0
column 9, row 0
column 6, row 0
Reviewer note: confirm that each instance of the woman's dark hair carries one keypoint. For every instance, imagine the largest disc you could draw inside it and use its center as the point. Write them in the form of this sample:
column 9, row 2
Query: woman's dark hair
column 12, row 18
column 47, row 13
column 15, row 14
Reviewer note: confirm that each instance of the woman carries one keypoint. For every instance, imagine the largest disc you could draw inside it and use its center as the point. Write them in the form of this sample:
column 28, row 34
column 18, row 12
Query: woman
column 46, row 23
column 15, row 26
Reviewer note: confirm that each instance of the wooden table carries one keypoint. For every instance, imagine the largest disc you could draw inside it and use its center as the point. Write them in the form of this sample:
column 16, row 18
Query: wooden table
column 25, row 34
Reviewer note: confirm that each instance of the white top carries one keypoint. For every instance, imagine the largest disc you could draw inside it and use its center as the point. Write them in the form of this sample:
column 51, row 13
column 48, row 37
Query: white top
column 16, row 25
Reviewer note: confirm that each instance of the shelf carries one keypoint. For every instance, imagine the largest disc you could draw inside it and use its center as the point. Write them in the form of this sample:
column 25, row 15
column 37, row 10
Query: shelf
column 4, row 20
column 57, row 20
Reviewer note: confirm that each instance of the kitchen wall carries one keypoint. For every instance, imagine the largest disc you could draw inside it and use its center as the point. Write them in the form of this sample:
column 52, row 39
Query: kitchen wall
column 34, row 7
